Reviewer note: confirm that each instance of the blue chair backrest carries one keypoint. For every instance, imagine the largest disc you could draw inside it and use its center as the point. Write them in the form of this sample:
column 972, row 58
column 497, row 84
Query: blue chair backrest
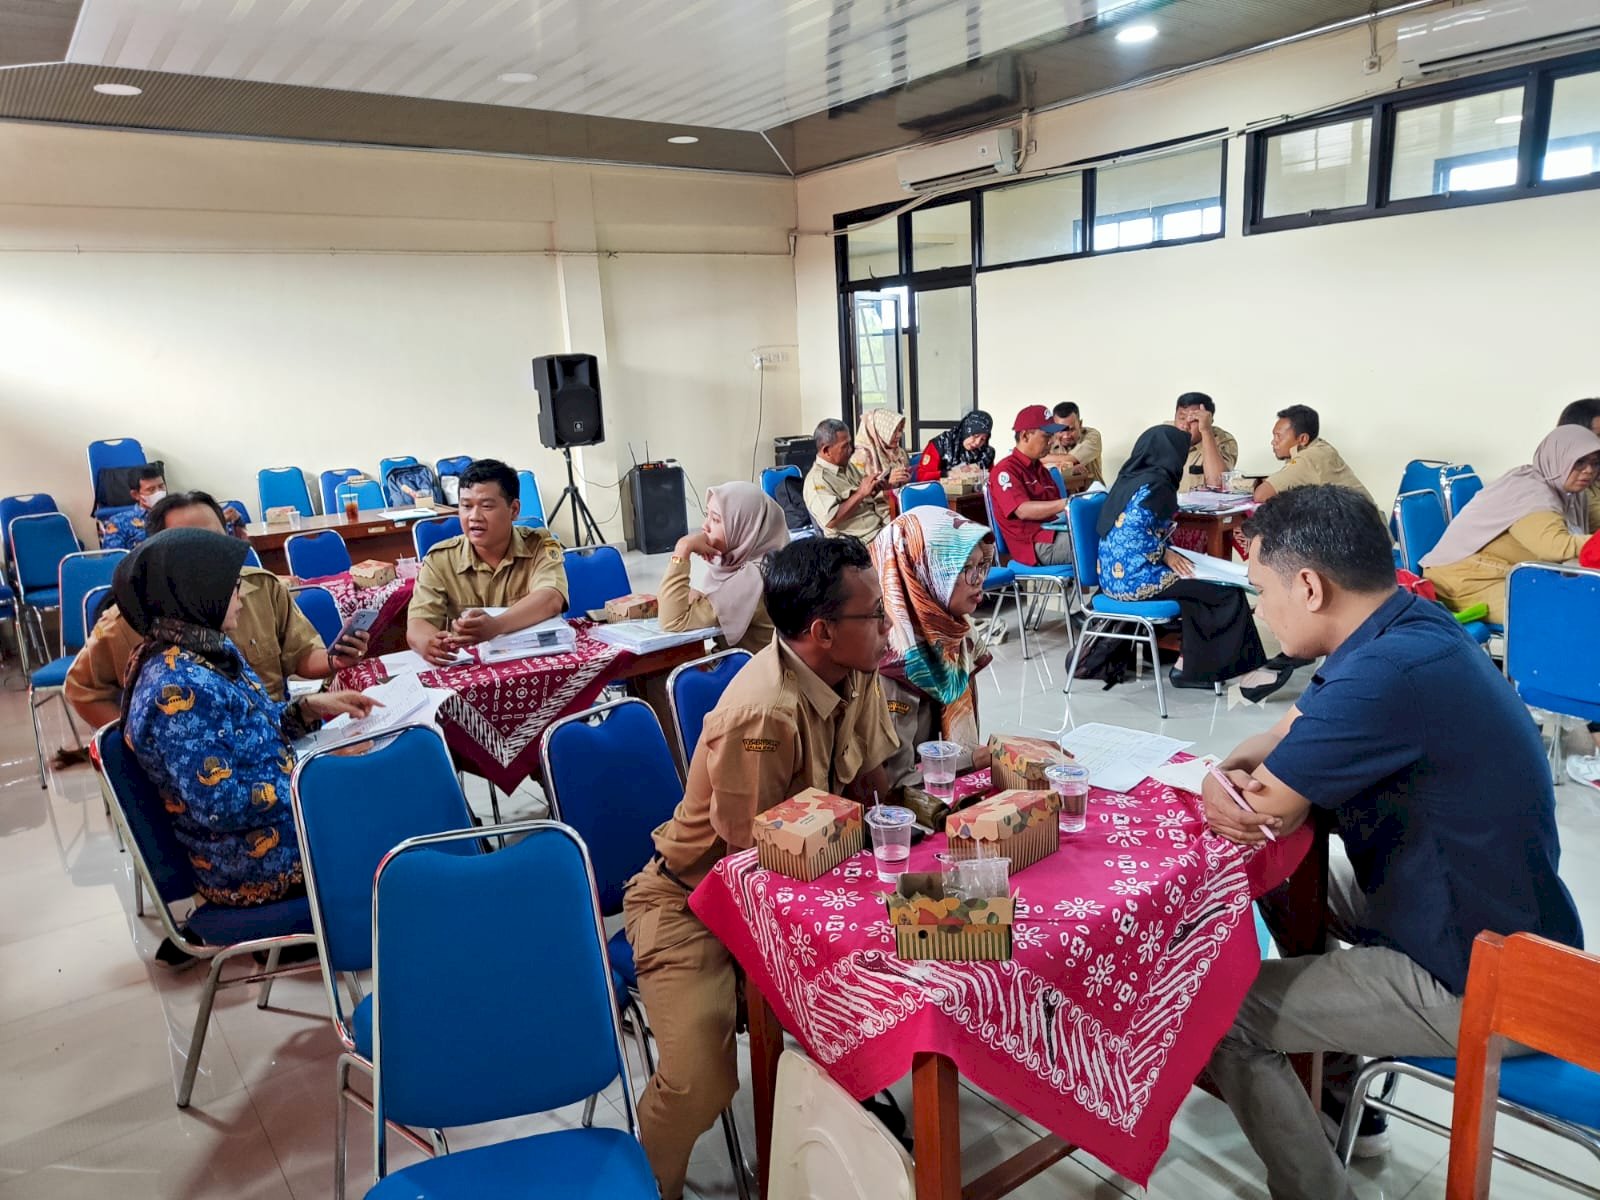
column 352, row 809
column 251, row 558
column 1083, row 519
column 243, row 508
column 430, row 531
column 1419, row 523
column 1059, row 480
column 771, row 477
column 453, row 466
column 693, row 691
column 81, row 573
column 459, row 945
column 145, row 817
column 318, row 606
column 1551, row 665
column 282, row 487
column 385, row 465
column 329, row 482
column 1459, row 489
column 38, row 544
column 1000, row 550
column 595, row 574
column 528, row 493
column 92, row 600
column 613, row 812
column 410, row 484
column 918, row 495
column 368, row 494
column 317, row 554
column 31, row 505
column 113, row 452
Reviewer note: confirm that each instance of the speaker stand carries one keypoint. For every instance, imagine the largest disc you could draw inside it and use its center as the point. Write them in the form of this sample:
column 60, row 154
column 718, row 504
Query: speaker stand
column 585, row 530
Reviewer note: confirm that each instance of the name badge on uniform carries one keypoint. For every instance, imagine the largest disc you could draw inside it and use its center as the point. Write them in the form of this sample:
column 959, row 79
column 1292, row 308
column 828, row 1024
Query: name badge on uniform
column 899, row 707
column 760, row 745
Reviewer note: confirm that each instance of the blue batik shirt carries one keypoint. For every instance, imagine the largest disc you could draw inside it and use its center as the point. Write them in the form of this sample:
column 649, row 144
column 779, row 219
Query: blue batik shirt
column 1132, row 555
column 122, row 528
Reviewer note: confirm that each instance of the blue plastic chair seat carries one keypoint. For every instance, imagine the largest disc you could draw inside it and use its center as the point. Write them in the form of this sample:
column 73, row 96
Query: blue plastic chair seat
column 219, row 925
column 1023, row 570
column 1478, row 631
column 999, row 577
column 53, row 674
column 620, row 951
column 1538, row 1081
column 572, row 1164
column 44, row 597
column 1150, row 610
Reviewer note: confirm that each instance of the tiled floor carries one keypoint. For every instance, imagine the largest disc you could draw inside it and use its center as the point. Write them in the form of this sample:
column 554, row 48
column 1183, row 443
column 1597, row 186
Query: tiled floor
column 92, row 1034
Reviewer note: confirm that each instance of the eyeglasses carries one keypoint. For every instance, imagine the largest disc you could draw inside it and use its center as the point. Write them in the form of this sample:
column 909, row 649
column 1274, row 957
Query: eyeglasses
column 975, row 575
column 878, row 614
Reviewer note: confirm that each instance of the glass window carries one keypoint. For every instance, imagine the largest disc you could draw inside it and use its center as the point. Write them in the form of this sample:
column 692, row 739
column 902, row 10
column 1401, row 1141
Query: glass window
column 1033, row 220
column 1133, row 203
column 1574, row 145
column 873, row 252
column 941, row 237
column 944, row 354
column 1460, row 145
column 1310, row 170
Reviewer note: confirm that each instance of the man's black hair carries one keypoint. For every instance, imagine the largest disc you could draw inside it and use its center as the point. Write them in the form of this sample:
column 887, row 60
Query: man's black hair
column 805, row 580
column 1581, row 412
column 1064, row 410
column 492, row 470
column 156, row 520
column 1196, row 400
column 147, row 473
column 827, row 432
column 1333, row 530
column 1302, row 418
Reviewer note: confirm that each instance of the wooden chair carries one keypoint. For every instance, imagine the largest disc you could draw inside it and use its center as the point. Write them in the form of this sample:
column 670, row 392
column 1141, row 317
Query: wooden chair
column 1529, row 990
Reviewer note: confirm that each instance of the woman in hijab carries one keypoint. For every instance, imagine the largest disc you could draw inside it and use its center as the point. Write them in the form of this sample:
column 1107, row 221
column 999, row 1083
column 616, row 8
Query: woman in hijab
column 1536, row 513
column 965, row 445
column 931, row 564
column 880, row 447
column 1137, row 563
column 195, row 715
column 742, row 526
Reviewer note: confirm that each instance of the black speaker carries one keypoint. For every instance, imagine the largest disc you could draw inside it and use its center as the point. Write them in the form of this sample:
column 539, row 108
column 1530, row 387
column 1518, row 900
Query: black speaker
column 569, row 400
column 654, row 512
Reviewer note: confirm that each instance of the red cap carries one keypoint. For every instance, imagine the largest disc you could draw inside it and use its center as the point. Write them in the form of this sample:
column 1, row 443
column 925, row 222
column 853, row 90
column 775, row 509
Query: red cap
column 1035, row 416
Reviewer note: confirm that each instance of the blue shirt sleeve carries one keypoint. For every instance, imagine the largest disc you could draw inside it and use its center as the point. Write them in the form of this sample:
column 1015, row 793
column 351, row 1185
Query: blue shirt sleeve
column 1353, row 731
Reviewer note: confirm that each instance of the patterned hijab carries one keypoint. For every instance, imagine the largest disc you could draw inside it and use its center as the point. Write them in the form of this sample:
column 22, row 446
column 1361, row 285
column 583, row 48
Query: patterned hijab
column 879, row 443
column 919, row 556
column 952, row 446
column 752, row 527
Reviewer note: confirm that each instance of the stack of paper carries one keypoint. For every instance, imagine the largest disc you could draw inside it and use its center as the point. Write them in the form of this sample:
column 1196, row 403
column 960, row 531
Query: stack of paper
column 407, row 514
column 641, row 637
column 405, row 702
column 409, row 662
column 1213, row 502
column 1217, row 570
column 554, row 636
column 1118, row 759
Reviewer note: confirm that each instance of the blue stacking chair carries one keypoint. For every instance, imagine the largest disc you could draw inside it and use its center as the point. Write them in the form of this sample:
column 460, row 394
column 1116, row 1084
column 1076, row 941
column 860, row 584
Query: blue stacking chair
column 112, row 452
column 38, row 544
column 532, row 505
column 1059, row 579
column 252, row 559
column 1439, row 477
column 452, row 466
column 281, row 487
column 693, row 690
column 349, row 811
column 317, row 554
column 79, row 574
column 473, row 937
column 328, row 483
column 368, row 494
column 772, row 476
column 1120, row 620
column 1419, row 523
column 213, row 932
column 318, row 606
column 1459, row 489
column 385, row 465
column 1551, row 669
column 11, row 507
column 595, row 574
column 8, row 612
column 430, row 531
column 931, row 493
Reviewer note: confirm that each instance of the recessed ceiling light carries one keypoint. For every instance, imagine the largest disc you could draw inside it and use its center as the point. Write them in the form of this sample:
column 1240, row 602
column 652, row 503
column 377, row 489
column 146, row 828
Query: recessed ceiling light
column 117, row 89
column 518, row 77
column 1130, row 35
column 1513, row 119
column 683, row 139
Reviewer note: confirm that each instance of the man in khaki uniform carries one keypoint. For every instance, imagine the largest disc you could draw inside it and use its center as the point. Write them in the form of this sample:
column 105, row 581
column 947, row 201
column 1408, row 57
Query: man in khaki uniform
column 1077, row 448
column 1212, row 451
column 1307, row 458
column 494, row 564
column 1586, row 415
column 273, row 635
column 840, row 497
column 807, row 711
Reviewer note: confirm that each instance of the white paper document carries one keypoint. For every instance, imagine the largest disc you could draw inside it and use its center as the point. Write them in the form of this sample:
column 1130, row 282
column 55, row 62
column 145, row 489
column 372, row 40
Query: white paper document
column 409, row 662
column 405, row 702
column 1213, row 502
column 554, row 636
column 1185, row 776
column 641, row 637
column 408, row 514
column 1118, row 759
column 1217, row 570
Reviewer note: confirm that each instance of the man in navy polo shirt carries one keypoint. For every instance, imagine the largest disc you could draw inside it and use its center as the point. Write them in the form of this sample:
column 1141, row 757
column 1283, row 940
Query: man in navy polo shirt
column 1433, row 773
column 1024, row 495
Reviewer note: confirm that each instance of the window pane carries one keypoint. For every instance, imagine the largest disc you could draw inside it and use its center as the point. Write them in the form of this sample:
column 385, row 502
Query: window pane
column 1309, row 170
column 881, row 320
column 1133, row 203
column 944, row 354
column 874, row 252
column 941, row 237
column 1458, row 146
column 1033, row 220
column 1574, row 146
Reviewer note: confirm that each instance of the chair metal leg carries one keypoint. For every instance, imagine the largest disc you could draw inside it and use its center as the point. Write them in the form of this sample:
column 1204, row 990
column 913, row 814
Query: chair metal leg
column 202, row 1022
column 266, row 984
column 341, row 1124
column 494, row 803
column 588, row 1111
column 741, row 1169
column 138, row 895
column 1022, row 626
column 38, row 737
column 1155, row 668
column 352, row 987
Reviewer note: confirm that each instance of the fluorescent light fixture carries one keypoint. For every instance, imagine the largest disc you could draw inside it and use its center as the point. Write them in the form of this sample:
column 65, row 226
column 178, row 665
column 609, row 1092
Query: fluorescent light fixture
column 683, row 139
column 117, row 89
column 1131, row 35
column 1513, row 119
column 518, row 77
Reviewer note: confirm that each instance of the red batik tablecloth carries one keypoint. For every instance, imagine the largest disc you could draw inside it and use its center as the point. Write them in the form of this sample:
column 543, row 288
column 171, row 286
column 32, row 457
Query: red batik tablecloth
column 497, row 713
column 1133, row 948
column 388, row 632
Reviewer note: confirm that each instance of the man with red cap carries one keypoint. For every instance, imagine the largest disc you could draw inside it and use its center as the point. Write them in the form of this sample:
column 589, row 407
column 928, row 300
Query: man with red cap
column 1025, row 496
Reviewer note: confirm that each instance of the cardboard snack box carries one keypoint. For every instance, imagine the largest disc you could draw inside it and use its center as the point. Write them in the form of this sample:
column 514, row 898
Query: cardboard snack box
column 283, row 514
column 1019, row 762
column 808, row 834
column 1019, row 824
column 635, row 606
column 372, row 573
column 930, row 925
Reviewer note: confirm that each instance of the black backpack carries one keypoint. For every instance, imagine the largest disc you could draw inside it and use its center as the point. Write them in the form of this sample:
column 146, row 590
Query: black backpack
column 1109, row 660
column 790, row 496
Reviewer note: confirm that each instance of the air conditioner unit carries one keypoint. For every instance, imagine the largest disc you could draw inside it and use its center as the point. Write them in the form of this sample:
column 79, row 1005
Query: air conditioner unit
column 962, row 160
column 1493, row 32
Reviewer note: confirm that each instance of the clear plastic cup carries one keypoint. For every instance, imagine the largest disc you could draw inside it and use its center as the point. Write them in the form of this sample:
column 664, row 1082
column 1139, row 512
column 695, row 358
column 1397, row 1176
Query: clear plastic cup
column 891, row 828
column 939, row 761
column 953, row 874
column 1070, row 782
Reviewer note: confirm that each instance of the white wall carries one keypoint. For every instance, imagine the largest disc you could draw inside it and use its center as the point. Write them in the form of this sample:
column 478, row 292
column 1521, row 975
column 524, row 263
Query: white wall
column 1457, row 334
column 243, row 304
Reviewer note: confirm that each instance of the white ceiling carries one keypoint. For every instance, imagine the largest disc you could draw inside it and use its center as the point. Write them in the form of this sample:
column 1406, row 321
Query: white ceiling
column 730, row 64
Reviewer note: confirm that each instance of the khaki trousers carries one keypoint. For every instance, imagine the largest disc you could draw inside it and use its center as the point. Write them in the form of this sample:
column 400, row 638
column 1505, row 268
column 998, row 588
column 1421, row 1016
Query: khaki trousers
column 686, row 978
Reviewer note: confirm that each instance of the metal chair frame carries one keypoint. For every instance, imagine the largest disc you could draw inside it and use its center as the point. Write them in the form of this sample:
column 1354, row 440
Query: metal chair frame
column 1408, row 560
column 430, row 523
column 1447, row 485
column 26, row 607
column 1557, row 774
column 285, row 473
column 40, row 696
column 1051, row 583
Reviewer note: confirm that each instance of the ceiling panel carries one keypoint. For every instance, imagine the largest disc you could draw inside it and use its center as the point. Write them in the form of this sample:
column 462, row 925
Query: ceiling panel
column 36, row 31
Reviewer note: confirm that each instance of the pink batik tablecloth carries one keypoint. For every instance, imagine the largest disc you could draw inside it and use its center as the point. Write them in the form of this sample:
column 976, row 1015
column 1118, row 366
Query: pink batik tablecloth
column 497, row 713
column 1133, row 948
column 388, row 632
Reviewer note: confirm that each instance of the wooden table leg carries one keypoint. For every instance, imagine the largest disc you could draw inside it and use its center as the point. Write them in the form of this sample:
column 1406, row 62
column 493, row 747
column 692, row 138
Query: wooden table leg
column 936, row 1126
column 766, row 1045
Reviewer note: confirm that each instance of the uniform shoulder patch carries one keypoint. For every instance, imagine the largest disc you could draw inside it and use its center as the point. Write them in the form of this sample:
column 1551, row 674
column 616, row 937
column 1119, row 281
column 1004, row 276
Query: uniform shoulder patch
column 899, row 707
column 1004, row 478
column 760, row 745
